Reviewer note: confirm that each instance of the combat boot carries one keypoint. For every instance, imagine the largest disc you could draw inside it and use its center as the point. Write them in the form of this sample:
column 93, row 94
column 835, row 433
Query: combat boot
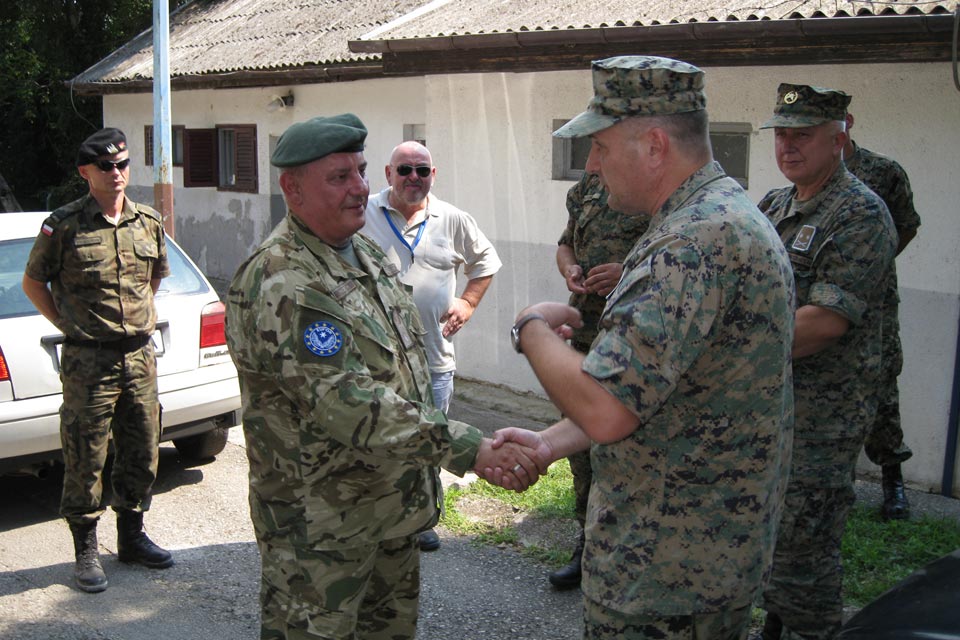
column 133, row 545
column 772, row 627
column 895, row 505
column 87, row 571
column 568, row 577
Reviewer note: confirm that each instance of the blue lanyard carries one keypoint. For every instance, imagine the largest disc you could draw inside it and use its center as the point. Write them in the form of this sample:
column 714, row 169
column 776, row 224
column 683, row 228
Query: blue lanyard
column 399, row 235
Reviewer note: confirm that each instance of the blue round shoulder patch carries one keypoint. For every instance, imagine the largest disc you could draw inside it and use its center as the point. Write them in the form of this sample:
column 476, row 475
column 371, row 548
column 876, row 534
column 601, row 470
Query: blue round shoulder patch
column 323, row 339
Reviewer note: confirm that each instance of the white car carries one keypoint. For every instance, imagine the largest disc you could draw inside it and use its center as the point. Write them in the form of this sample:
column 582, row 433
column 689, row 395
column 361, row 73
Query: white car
column 198, row 384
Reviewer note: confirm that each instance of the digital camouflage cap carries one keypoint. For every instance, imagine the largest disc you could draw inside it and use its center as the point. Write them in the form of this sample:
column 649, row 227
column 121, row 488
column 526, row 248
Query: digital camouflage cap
column 800, row 105
column 625, row 86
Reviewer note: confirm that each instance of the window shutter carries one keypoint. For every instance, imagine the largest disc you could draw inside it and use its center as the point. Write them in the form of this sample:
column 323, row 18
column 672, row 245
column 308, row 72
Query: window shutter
column 148, row 145
column 200, row 158
column 246, row 159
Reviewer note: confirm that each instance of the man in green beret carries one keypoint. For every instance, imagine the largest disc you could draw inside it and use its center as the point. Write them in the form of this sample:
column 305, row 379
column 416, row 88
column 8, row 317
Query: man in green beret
column 841, row 242
column 684, row 398
column 884, row 445
column 342, row 434
column 103, row 257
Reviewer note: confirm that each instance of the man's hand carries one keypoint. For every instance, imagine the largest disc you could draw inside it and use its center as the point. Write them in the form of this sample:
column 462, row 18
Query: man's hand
column 603, row 278
column 456, row 316
column 510, row 465
column 573, row 275
column 535, row 448
column 562, row 318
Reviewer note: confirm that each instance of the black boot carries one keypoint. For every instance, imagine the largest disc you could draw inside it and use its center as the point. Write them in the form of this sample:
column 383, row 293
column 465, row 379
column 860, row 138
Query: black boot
column 895, row 505
column 87, row 572
column 772, row 627
column 568, row 577
column 133, row 545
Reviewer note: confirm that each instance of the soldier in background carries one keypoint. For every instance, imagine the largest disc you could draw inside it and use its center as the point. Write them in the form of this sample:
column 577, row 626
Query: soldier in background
column 841, row 242
column 104, row 256
column 884, row 445
column 685, row 399
column 590, row 256
column 342, row 434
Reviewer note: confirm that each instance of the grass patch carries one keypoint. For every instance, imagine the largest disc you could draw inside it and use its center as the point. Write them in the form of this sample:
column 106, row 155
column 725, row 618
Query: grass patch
column 876, row 554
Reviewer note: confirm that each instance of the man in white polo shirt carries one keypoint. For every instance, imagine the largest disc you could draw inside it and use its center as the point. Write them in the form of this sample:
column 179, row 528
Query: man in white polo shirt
column 430, row 240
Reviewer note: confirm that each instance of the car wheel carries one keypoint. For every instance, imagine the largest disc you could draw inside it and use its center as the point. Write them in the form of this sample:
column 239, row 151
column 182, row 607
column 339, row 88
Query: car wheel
column 203, row 445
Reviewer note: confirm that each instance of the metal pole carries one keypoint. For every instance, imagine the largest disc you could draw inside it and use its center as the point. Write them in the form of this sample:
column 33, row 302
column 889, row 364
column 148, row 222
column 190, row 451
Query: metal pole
column 162, row 139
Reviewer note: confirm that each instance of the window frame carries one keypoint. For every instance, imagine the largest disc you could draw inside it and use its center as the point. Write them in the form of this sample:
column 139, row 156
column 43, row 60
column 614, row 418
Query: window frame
column 209, row 154
column 148, row 144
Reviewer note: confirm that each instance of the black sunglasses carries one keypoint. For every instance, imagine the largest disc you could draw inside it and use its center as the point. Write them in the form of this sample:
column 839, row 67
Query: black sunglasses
column 109, row 165
column 422, row 170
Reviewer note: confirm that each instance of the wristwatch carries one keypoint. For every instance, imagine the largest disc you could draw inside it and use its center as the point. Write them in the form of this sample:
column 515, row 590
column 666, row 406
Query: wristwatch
column 515, row 331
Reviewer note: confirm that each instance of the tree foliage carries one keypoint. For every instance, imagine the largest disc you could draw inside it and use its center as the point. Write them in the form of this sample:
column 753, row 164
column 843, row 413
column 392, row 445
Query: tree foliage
column 45, row 43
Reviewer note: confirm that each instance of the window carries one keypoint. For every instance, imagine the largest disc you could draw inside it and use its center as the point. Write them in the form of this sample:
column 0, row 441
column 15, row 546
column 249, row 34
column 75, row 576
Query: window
column 224, row 157
column 176, row 135
column 569, row 155
column 730, row 141
column 731, row 148
column 416, row 132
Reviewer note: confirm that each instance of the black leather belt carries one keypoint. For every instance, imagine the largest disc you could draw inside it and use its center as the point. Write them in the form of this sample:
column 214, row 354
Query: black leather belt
column 124, row 345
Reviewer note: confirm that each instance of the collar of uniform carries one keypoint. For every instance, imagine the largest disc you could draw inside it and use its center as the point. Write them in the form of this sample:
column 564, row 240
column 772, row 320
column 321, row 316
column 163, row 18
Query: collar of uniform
column 853, row 161
column 93, row 211
column 697, row 180
column 839, row 177
column 328, row 255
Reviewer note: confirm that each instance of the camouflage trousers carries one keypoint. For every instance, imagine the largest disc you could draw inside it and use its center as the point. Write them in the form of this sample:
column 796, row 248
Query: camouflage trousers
column 369, row 592
column 601, row 623
column 807, row 577
column 884, row 444
column 582, row 477
column 107, row 392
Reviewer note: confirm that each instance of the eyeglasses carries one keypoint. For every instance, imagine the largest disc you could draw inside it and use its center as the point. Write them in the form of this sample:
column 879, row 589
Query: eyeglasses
column 422, row 170
column 109, row 165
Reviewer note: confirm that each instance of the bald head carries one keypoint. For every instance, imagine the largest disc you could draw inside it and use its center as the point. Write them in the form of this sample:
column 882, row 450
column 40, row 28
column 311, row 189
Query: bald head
column 410, row 175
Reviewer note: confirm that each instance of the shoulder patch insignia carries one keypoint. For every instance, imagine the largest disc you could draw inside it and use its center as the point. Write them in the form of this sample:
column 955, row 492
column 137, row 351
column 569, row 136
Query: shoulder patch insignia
column 323, row 338
column 804, row 238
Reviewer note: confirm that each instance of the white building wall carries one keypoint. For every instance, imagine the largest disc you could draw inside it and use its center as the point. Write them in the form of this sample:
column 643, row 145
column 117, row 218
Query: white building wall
column 490, row 139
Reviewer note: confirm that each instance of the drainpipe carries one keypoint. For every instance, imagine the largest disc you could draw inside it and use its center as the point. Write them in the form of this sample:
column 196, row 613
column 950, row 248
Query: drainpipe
column 950, row 455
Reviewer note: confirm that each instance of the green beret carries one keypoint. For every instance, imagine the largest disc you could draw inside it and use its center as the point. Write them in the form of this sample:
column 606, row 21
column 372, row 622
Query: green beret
column 305, row 142
column 625, row 86
column 800, row 105
column 104, row 142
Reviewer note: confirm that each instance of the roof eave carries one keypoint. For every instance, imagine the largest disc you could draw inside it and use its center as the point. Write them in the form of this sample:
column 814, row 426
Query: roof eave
column 241, row 79
column 802, row 28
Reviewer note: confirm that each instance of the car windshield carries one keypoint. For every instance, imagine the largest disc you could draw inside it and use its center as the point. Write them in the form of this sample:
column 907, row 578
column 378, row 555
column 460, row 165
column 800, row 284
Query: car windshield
column 183, row 278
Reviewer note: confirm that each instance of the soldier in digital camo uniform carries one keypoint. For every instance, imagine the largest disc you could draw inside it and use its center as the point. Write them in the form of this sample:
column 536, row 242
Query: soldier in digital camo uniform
column 841, row 242
column 685, row 398
column 342, row 435
column 103, row 257
column 590, row 256
column 884, row 445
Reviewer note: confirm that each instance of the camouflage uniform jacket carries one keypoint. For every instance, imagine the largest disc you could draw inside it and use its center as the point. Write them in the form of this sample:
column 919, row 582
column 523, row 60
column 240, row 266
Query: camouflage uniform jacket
column 342, row 436
column 887, row 179
column 841, row 243
column 100, row 274
column 695, row 340
column 598, row 235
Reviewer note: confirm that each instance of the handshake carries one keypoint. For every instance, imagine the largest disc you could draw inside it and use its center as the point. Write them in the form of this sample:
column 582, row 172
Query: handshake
column 514, row 459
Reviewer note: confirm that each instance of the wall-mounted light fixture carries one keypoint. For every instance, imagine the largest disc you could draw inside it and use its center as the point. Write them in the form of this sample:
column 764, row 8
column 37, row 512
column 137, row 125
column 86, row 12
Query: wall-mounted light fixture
column 280, row 102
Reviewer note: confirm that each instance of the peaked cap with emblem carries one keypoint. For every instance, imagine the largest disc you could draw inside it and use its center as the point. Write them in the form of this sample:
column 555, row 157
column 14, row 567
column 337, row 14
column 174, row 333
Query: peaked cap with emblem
column 801, row 105
column 625, row 86
column 104, row 142
column 305, row 142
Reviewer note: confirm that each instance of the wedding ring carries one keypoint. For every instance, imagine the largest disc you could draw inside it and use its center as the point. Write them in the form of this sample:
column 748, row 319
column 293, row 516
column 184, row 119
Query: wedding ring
column 517, row 467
